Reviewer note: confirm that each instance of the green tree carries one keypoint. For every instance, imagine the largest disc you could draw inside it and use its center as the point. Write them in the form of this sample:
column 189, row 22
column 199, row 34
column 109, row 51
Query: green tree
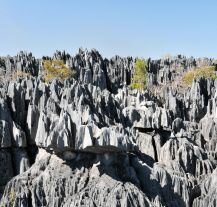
column 140, row 75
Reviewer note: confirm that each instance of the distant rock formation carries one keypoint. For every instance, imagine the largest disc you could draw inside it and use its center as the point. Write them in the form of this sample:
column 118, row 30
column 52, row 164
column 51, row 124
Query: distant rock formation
column 92, row 141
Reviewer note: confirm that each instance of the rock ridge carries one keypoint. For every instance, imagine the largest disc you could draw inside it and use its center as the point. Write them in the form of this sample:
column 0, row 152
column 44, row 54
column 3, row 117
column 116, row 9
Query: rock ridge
column 92, row 141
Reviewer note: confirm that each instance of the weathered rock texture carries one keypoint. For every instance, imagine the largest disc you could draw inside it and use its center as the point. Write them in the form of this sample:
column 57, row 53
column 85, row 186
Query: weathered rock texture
column 92, row 141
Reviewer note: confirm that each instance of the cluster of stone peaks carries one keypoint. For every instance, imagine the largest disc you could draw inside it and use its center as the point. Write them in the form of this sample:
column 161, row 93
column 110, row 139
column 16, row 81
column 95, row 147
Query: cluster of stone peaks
column 92, row 141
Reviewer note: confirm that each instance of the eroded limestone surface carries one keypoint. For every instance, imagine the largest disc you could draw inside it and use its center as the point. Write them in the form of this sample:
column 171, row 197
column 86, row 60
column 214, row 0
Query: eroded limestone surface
column 92, row 141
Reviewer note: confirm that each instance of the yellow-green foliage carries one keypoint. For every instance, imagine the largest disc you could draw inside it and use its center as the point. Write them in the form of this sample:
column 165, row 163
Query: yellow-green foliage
column 140, row 75
column 206, row 72
column 56, row 69
column 12, row 198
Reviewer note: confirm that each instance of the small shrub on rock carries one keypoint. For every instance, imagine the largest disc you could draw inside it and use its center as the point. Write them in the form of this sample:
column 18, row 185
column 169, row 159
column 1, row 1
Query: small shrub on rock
column 56, row 69
column 206, row 72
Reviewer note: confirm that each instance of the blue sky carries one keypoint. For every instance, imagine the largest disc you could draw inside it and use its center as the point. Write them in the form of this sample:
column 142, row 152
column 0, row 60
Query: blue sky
column 144, row 28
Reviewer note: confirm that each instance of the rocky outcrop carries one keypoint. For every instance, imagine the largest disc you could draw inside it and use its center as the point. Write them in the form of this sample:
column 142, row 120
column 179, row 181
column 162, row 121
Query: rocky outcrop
column 78, row 182
column 92, row 141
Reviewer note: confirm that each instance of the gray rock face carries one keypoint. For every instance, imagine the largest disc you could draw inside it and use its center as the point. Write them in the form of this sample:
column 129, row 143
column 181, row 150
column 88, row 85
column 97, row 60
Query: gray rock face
column 92, row 141
column 6, row 139
column 78, row 182
column 6, row 168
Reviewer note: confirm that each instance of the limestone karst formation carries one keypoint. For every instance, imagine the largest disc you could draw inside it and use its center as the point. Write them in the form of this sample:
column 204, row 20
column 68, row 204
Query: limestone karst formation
column 92, row 141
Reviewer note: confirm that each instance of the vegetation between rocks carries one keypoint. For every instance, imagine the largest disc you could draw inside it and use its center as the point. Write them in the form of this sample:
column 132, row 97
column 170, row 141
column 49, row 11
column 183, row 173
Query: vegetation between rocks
column 139, row 79
column 20, row 74
column 206, row 72
column 56, row 69
column 12, row 198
